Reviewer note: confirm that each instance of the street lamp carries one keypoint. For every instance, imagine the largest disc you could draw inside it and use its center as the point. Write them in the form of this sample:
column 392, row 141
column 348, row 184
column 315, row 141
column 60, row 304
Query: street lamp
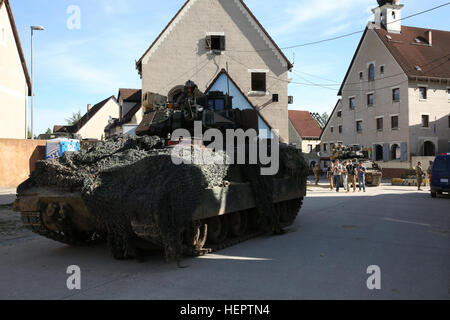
column 33, row 28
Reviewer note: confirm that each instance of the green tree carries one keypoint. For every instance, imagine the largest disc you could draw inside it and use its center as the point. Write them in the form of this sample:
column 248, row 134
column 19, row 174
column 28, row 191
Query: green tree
column 49, row 131
column 74, row 118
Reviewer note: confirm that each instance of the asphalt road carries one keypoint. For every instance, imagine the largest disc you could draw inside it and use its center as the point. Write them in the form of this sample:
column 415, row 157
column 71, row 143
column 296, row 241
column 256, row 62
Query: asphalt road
column 324, row 256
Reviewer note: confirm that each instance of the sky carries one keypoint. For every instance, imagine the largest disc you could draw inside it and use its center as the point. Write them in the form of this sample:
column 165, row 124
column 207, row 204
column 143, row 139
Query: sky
column 76, row 65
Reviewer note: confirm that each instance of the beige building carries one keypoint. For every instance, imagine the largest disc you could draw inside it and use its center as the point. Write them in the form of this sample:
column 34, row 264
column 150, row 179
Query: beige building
column 304, row 131
column 15, row 85
column 395, row 101
column 92, row 125
column 227, row 36
column 131, row 113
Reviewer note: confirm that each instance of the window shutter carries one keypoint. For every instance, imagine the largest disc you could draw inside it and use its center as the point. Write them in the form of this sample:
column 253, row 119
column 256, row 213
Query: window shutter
column 222, row 43
column 404, row 150
column 374, row 152
column 386, row 152
column 208, row 42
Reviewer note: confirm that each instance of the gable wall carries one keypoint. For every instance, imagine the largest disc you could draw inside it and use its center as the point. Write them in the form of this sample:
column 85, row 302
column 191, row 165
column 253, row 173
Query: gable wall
column 13, row 85
column 181, row 56
column 95, row 127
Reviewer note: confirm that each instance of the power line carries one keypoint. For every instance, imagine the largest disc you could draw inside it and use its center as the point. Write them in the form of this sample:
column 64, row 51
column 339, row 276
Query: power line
column 369, row 81
column 344, row 35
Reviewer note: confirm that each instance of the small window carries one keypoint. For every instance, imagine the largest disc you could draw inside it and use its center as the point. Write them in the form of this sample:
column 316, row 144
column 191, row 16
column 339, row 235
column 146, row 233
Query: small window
column 275, row 98
column 394, row 122
column 425, row 121
column 339, row 114
column 215, row 43
column 371, row 72
column 382, row 69
column 259, row 81
column 370, row 100
column 396, row 95
column 332, row 129
column 423, row 93
column 448, row 94
column 359, row 126
column 393, row 15
column 324, row 147
column 340, row 129
column 361, row 76
column 310, row 148
column 380, row 124
column 318, row 148
column 351, row 103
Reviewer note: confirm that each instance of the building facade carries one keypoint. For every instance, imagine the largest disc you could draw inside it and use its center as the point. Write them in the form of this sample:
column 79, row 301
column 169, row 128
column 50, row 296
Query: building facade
column 15, row 84
column 228, row 36
column 395, row 98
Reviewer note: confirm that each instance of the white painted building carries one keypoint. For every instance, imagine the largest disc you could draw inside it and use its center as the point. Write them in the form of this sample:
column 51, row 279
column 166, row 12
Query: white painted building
column 15, row 85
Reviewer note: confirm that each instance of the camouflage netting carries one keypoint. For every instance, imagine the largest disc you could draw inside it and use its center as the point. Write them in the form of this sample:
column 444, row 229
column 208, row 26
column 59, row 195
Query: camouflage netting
column 130, row 182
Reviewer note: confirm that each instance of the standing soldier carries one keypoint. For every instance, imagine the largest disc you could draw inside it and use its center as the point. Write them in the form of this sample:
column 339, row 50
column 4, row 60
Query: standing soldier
column 351, row 176
column 316, row 171
column 419, row 174
column 330, row 175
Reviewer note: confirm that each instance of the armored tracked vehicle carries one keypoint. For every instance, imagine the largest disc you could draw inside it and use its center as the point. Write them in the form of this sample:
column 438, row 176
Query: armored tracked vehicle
column 139, row 193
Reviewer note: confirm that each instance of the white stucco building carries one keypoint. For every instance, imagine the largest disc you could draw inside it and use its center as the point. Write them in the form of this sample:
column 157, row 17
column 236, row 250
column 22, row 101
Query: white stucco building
column 15, row 85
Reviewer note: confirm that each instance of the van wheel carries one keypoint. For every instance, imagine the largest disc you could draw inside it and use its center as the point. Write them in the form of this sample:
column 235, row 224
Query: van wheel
column 433, row 194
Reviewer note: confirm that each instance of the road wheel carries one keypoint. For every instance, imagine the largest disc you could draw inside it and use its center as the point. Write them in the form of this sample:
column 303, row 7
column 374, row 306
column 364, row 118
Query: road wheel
column 217, row 229
column 238, row 224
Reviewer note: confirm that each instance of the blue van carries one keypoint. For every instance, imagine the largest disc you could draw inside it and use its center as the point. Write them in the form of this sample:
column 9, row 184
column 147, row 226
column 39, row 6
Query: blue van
column 440, row 175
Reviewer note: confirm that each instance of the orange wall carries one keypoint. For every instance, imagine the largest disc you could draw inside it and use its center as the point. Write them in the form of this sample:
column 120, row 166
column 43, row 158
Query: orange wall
column 17, row 160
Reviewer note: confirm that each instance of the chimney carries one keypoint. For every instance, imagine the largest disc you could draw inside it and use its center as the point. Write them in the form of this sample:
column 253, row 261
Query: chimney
column 430, row 37
column 89, row 106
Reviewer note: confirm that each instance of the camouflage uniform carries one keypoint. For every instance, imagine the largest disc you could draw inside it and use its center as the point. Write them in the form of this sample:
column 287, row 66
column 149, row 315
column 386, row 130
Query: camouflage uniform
column 316, row 171
column 419, row 174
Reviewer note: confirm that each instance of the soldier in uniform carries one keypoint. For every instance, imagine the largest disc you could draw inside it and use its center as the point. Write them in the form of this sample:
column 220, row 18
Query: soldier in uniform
column 420, row 174
column 316, row 171
column 190, row 97
column 330, row 175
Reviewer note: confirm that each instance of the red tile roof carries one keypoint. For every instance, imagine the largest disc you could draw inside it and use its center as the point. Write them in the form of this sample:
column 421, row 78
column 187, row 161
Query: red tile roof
column 17, row 39
column 305, row 124
column 130, row 95
column 433, row 59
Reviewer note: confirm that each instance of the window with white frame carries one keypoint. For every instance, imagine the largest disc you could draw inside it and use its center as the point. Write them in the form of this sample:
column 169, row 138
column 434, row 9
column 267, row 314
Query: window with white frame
column 259, row 81
column 215, row 41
